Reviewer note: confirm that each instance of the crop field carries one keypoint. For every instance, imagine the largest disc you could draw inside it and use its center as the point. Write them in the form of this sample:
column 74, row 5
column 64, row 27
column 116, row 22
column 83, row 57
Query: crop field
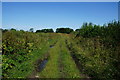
column 61, row 55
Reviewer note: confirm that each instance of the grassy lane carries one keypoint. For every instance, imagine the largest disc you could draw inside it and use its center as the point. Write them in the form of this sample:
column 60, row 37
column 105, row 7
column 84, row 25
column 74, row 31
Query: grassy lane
column 69, row 69
column 60, row 64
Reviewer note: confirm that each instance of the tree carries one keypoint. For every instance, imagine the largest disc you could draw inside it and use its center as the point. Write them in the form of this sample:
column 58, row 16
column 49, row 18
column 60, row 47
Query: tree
column 4, row 30
column 45, row 31
column 64, row 30
column 13, row 29
column 31, row 30
column 77, row 30
column 22, row 30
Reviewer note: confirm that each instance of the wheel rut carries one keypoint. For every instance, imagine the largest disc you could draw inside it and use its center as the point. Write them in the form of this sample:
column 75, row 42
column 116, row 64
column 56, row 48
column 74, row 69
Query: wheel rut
column 40, row 63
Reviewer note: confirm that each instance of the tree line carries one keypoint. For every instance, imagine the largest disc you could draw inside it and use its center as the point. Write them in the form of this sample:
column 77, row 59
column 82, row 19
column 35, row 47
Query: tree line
column 87, row 30
column 58, row 30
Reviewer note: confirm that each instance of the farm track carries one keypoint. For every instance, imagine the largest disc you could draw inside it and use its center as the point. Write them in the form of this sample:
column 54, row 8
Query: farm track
column 60, row 63
column 61, row 66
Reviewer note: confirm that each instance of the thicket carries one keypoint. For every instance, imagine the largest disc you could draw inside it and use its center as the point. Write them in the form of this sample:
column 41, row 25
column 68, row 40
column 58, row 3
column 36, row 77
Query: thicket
column 99, row 52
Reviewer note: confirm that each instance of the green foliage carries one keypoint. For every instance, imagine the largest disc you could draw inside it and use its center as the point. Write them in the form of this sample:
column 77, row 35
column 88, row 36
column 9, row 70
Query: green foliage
column 89, row 30
column 64, row 30
column 20, row 49
column 45, row 31
column 13, row 29
column 31, row 30
column 4, row 30
column 99, row 53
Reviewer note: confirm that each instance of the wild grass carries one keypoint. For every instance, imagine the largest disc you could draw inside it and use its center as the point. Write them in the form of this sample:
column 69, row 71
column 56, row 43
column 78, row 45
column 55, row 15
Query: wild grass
column 60, row 63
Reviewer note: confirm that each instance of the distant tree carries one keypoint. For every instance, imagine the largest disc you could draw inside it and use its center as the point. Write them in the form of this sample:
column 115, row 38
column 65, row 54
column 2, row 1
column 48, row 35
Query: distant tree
column 13, row 29
column 22, row 30
column 31, row 30
column 45, row 31
column 4, row 30
column 85, row 24
column 77, row 30
column 64, row 30
column 38, row 31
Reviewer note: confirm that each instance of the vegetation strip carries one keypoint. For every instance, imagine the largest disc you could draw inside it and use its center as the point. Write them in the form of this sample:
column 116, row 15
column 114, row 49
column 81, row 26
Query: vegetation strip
column 77, row 62
column 69, row 67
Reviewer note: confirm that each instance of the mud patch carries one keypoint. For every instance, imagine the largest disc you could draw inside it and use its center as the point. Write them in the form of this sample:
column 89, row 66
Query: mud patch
column 41, row 64
column 51, row 46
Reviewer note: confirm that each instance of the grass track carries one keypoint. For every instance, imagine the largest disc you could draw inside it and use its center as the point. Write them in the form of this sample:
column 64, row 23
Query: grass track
column 60, row 64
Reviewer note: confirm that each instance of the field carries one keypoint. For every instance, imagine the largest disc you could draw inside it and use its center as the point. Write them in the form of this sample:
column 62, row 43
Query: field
column 23, row 64
column 59, row 55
